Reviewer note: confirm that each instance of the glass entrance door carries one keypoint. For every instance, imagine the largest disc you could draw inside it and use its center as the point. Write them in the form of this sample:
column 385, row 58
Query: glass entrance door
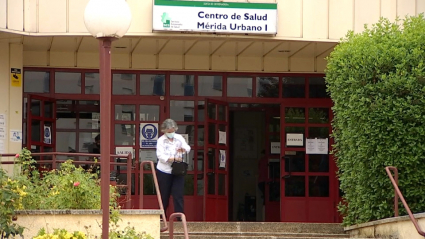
column 216, row 154
column 41, row 125
column 131, row 120
column 307, row 172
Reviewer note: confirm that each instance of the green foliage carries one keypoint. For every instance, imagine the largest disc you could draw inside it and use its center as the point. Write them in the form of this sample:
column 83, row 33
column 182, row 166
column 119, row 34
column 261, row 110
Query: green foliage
column 376, row 80
column 10, row 194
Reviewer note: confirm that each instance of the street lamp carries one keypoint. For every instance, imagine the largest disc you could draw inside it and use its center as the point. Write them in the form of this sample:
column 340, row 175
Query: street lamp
column 106, row 20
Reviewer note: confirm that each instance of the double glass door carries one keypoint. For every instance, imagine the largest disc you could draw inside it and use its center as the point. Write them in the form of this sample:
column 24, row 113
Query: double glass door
column 308, row 180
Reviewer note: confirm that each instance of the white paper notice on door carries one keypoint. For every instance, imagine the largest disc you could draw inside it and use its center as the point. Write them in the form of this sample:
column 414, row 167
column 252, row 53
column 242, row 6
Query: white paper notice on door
column 317, row 146
column 2, row 120
column 2, row 133
column 222, row 159
column 221, row 137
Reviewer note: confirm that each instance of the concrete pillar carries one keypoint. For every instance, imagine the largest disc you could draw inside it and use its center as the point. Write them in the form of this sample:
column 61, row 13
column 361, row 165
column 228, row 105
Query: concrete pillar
column 11, row 56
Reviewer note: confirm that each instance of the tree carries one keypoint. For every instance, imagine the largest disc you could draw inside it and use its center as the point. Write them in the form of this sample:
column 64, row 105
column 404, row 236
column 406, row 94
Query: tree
column 376, row 80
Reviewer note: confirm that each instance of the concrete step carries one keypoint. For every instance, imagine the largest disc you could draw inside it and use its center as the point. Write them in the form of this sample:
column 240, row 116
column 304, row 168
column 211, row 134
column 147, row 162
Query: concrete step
column 261, row 227
column 257, row 235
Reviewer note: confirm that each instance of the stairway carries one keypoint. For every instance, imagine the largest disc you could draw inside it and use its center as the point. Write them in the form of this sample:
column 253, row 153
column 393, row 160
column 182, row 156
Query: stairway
column 259, row 230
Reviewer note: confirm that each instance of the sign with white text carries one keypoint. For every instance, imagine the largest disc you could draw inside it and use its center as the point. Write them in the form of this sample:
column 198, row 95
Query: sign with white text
column 294, row 139
column 218, row 17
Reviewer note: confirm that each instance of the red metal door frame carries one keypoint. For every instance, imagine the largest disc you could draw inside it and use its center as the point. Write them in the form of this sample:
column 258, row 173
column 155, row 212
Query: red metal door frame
column 149, row 201
column 42, row 119
column 300, row 206
column 215, row 205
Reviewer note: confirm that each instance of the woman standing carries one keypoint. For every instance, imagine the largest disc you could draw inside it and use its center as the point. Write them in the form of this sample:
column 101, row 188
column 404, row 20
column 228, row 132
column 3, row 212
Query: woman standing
column 169, row 146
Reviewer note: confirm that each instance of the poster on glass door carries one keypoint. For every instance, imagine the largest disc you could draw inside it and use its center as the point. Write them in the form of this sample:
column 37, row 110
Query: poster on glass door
column 148, row 135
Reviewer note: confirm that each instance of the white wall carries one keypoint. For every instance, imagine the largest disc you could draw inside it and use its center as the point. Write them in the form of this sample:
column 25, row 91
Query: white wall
column 307, row 19
column 10, row 96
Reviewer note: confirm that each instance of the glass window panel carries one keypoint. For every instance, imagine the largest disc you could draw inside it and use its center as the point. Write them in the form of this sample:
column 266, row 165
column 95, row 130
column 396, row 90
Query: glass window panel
column 122, row 180
column 35, row 130
column 293, row 87
column 212, row 134
column 149, row 112
column 87, row 142
column 89, row 120
column 200, row 160
column 200, row 135
column 274, row 170
column 36, row 82
column 66, row 120
column 267, row 87
column 189, row 130
column 275, row 138
column 190, row 160
column 148, row 185
column 317, row 87
column 295, row 130
column 211, row 183
column 274, row 191
column 318, row 115
column 182, row 85
column 68, row 82
column 274, row 124
column 92, row 83
column 201, row 111
column 152, row 84
column 318, row 186
column 36, row 107
column 294, row 115
column 295, row 163
column 200, row 184
column 210, row 85
column 221, row 112
column 189, row 184
column 318, row 132
column 125, row 112
column 48, row 109
column 124, row 84
column 147, row 155
column 211, row 111
column 239, row 86
column 125, row 134
column 221, row 184
column 182, row 110
column 295, row 186
column 211, row 158
column 66, row 142
column 318, row 163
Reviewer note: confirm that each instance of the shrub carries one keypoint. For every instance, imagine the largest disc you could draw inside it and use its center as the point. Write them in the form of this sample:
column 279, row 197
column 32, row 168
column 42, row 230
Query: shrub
column 376, row 80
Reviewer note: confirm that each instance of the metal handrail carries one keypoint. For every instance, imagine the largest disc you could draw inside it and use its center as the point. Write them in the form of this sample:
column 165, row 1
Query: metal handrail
column 183, row 218
column 158, row 193
column 161, row 206
column 397, row 194
column 54, row 163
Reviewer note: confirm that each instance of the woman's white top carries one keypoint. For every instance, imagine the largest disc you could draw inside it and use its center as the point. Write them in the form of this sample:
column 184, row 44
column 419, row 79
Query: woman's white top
column 166, row 149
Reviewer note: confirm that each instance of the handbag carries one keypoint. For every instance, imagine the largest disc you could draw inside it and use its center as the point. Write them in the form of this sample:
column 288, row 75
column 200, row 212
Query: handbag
column 179, row 168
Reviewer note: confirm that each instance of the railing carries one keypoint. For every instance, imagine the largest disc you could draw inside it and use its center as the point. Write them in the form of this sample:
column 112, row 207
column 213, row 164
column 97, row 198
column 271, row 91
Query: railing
column 54, row 163
column 397, row 194
column 161, row 206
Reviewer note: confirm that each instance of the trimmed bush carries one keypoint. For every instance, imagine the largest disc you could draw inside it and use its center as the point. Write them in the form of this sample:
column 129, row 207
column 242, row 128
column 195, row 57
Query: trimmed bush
column 376, row 80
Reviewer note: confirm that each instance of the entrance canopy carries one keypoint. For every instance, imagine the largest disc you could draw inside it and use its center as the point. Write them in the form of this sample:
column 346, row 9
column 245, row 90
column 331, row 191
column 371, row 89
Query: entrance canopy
column 180, row 52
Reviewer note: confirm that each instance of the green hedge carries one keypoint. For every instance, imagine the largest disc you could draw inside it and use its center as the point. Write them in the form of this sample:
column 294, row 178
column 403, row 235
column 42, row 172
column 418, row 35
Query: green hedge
column 376, row 80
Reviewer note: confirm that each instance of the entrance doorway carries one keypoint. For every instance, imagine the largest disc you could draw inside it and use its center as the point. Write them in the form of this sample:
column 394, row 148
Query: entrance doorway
column 255, row 171
column 275, row 175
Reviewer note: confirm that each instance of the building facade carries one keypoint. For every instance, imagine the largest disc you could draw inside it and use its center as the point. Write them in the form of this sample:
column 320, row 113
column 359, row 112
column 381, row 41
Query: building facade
column 255, row 86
